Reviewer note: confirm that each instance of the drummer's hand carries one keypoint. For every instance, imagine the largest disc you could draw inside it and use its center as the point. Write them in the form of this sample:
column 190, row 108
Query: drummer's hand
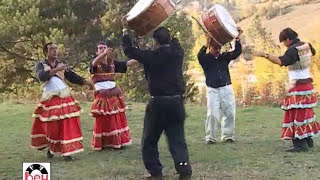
column 209, row 38
column 132, row 62
column 240, row 32
column 124, row 22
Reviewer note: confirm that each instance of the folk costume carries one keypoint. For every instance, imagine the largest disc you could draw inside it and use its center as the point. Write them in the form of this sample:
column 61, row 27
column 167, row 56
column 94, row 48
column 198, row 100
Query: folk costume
column 108, row 108
column 299, row 123
column 57, row 117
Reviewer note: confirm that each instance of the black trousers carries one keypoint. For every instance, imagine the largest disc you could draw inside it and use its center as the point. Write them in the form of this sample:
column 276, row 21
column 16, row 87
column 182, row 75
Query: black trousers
column 165, row 113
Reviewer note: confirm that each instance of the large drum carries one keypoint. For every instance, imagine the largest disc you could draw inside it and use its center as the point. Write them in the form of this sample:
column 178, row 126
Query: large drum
column 147, row 15
column 220, row 24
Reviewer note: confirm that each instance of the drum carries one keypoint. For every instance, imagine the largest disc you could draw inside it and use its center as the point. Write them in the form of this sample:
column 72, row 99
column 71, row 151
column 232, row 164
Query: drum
column 220, row 24
column 147, row 15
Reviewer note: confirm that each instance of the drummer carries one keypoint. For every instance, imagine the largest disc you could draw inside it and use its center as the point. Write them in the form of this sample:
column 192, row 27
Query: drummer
column 165, row 110
column 220, row 97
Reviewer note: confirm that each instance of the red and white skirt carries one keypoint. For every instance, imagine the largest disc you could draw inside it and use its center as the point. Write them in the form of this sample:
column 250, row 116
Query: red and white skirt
column 57, row 126
column 299, row 120
column 110, row 123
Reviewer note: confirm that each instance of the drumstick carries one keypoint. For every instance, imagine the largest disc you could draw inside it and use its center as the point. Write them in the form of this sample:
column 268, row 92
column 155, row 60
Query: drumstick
column 204, row 30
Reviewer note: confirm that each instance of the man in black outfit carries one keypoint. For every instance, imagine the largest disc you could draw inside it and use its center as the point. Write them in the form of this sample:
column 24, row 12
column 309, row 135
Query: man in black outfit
column 165, row 110
column 220, row 97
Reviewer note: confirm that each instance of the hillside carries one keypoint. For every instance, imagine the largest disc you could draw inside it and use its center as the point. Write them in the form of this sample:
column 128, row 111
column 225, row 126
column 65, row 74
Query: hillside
column 302, row 18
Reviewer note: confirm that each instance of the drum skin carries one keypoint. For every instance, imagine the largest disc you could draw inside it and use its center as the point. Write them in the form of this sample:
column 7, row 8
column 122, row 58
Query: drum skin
column 216, row 28
column 152, row 17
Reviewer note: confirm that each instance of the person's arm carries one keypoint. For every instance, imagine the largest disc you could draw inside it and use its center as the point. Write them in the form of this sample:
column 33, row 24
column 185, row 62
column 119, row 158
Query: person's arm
column 143, row 56
column 43, row 75
column 97, row 60
column 73, row 77
column 236, row 52
column 132, row 62
column 202, row 54
column 120, row 67
column 289, row 58
column 312, row 50
column 92, row 68
column 272, row 58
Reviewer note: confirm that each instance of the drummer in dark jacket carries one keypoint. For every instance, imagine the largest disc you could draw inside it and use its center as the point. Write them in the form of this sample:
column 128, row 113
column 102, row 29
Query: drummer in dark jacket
column 165, row 110
column 220, row 96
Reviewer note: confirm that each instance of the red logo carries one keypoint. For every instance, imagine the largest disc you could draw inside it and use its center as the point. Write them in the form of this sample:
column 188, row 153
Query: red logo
column 36, row 171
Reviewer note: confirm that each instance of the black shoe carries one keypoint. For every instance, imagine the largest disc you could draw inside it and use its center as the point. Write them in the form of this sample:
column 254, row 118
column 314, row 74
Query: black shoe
column 297, row 149
column 229, row 141
column 67, row 158
column 49, row 155
column 210, row 142
column 310, row 142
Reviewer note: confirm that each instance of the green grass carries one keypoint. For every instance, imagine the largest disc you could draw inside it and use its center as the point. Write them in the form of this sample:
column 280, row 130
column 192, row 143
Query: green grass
column 257, row 154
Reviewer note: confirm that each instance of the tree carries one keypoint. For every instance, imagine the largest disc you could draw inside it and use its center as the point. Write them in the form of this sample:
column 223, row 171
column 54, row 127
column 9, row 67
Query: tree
column 28, row 24
column 271, row 78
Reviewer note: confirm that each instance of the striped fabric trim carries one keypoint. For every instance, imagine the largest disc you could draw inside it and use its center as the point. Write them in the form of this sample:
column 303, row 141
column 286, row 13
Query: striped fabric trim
column 57, row 141
column 114, row 146
column 51, row 118
column 300, row 93
column 57, row 106
column 94, row 111
column 307, row 121
column 312, row 134
column 299, row 106
column 67, row 153
column 111, row 133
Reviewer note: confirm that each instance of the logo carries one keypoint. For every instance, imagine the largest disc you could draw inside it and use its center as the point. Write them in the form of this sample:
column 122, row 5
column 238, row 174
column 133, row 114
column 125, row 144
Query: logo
column 36, row 171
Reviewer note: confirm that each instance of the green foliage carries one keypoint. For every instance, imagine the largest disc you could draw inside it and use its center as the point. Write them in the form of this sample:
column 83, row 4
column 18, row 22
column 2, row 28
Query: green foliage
column 28, row 24
column 272, row 11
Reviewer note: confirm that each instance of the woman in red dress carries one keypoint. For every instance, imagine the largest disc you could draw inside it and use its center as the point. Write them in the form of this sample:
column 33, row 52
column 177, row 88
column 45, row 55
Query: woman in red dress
column 108, row 108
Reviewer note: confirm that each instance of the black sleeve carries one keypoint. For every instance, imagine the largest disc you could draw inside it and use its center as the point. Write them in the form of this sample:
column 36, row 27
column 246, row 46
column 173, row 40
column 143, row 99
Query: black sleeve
column 236, row 53
column 312, row 50
column 143, row 56
column 73, row 77
column 40, row 73
column 92, row 69
column 120, row 66
column 290, row 57
column 177, row 49
column 202, row 54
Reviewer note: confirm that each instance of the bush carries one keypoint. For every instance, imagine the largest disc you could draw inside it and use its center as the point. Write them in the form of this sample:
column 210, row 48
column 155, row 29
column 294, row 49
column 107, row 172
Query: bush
column 273, row 11
column 249, row 10
column 262, row 11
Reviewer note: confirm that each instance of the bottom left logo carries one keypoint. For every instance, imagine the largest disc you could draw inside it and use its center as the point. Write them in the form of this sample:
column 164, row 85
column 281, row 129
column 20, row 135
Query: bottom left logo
column 36, row 171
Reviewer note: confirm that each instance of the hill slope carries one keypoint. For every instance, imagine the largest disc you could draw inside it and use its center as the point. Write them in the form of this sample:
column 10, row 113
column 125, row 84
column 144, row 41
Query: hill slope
column 303, row 18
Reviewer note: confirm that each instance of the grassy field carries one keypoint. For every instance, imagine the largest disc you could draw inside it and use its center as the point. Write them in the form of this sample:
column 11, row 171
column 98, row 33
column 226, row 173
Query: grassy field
column 257, row 154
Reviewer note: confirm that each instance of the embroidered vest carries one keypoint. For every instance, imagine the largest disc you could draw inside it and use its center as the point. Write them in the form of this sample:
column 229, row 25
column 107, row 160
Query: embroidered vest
column 47, row 67
column 104, row 72
column 305, row 57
